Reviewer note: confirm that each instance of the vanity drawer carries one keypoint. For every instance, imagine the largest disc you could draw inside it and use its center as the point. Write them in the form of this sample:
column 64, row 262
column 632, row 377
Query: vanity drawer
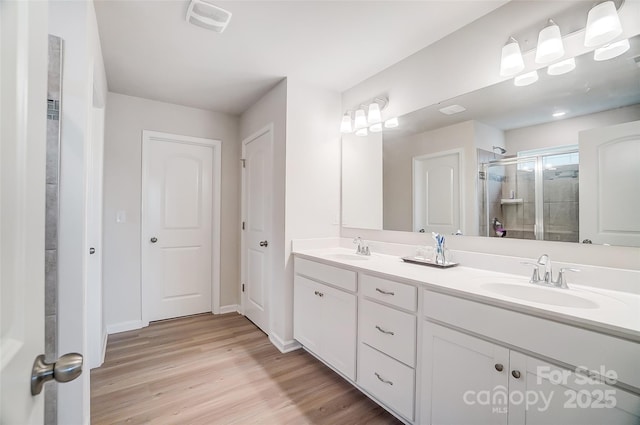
column 389, row 330
column 388, row 380
column 341, row 278
column 390, row 292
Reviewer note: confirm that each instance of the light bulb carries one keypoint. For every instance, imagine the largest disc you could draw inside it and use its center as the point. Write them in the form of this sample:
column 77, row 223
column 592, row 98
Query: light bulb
column 345, row 125
column 603, row 24
column 562, row 67
column 374, row 113
column 511, row 62
column 361, row 120
column 550, row 45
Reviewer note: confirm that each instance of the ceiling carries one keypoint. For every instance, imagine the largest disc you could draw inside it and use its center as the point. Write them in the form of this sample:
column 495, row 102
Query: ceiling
column 150, row 50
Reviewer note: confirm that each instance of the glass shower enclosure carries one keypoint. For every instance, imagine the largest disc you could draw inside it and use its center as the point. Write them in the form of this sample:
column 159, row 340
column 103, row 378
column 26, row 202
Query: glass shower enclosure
column 533, row 195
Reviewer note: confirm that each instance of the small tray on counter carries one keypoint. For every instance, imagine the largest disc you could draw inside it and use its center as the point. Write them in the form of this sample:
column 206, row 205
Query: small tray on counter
column 428, row 262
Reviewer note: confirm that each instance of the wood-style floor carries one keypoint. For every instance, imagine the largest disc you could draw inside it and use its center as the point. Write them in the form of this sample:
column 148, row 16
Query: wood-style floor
column 209, row 369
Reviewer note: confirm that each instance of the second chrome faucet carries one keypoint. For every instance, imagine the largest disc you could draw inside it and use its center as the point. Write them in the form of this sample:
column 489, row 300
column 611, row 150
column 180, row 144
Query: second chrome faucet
column 546, row 278
column 363, row 248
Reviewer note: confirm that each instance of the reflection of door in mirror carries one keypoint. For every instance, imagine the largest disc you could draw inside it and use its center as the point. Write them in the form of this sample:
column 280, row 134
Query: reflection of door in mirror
column 609, row 158
column 436, row 192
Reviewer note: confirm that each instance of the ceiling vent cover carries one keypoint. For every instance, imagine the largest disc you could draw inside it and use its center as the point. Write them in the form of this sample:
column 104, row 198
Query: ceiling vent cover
column 206, row 15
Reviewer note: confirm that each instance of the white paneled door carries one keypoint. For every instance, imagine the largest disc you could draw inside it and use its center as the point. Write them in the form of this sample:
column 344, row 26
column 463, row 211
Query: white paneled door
column 180, row 228
column 436, row 193
column 23, row 79
column 257, row 228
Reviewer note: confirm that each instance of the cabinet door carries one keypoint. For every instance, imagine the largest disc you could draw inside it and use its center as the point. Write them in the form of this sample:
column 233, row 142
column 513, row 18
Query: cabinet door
column 547, row 394
column 338, row 325
column 307, row 313
column 464, row 379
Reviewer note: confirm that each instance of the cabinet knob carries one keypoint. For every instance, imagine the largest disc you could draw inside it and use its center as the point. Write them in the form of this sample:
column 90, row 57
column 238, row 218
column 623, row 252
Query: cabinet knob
column 515, row 374
column 499, row 367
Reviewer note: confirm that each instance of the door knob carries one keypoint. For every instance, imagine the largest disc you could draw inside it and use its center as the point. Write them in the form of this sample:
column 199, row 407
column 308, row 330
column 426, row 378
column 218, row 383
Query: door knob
column 67, row 368
column 154, row 239
column 515, row 374
column 499, row 367
column 92, row 251
column 264, row 243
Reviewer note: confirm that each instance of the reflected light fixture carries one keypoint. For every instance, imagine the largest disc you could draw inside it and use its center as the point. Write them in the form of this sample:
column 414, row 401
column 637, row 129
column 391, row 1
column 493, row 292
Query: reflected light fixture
column 345, row 125
column 362, row 132
column 391, row 123
column 361, row 119
column 611, row 51
column 559, row 114
column 203, row 13
column 511, row 62
column 550, row 45
column 562, row 67
column 526, row 79
column 376, row 128
column 603, row 24
column 374, row 117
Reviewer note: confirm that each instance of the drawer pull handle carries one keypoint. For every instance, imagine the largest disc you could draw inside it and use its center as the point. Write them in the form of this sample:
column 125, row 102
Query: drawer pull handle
column 383, row 292
column 515, row 374
column 320, row 294
column 381, row 379
column 499, row 367
column 383, row 331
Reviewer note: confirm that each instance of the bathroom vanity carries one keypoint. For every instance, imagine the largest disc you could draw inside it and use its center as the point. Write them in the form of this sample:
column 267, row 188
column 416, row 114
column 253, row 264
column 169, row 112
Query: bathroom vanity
column 470, row 346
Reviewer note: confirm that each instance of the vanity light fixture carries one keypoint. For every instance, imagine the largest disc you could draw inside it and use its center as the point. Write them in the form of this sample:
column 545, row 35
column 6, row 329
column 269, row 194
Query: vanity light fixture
column 362, row 132
column 550, row 45
column 559, row 114
column 391, row 123
column 345, row 125
column 205, row 14
column 511, row 62
column 562, row 67
column 376, row 128
column 526, row 79
column 603, row 24
column 361, row 119
column 611, row 51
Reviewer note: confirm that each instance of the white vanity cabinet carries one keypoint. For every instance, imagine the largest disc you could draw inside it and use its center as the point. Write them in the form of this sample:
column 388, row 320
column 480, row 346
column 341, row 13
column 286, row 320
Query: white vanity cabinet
column 470, row 380
column 325, row 313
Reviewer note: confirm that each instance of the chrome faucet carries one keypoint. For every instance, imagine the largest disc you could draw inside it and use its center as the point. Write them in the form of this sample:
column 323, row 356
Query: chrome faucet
column 547, row 277
column 363, row 248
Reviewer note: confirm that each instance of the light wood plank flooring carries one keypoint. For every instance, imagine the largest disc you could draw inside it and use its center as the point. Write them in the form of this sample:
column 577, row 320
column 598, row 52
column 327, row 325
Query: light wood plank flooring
column 222, row 369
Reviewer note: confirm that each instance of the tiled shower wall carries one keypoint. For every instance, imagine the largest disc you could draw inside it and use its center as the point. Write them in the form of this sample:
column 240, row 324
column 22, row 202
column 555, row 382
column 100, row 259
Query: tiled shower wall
column 51, row 225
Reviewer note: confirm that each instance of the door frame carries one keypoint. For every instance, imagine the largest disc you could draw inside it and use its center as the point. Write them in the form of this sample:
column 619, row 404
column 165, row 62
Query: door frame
column 149, row 136
column 268, row 129
column 461, row 184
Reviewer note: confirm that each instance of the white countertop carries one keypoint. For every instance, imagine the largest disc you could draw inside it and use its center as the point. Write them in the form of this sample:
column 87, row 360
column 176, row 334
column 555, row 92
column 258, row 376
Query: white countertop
column 612, row 312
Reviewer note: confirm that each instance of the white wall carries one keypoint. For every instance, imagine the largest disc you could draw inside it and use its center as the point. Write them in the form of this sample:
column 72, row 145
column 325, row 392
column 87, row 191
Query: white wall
column 565, row 132
column 362, row 185
column 126, row 117
column 312, row 179
column 75, row 23
column 306, row 181
column 465, row 61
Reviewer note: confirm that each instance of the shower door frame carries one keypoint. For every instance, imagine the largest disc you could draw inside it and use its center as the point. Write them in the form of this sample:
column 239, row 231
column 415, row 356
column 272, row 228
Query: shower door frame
column 538, row 159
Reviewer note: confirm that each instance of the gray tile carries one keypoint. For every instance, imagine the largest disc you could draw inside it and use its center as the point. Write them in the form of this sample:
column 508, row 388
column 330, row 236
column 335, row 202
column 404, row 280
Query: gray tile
column 51, row 403
column 51, row 338
column 51, row 282
column 51, row 217
column 53, row 151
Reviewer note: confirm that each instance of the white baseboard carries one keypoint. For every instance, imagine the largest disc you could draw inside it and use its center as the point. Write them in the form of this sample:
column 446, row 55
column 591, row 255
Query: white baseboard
column 284, row 346
column 232, row 308
column 124, row 326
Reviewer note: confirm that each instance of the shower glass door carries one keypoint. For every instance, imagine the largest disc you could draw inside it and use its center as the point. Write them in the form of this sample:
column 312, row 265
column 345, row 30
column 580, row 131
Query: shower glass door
column 532, row 197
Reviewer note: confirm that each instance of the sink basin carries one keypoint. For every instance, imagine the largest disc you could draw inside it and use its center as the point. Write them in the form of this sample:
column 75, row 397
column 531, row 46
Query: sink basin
column 348, row 257
column 540, row 294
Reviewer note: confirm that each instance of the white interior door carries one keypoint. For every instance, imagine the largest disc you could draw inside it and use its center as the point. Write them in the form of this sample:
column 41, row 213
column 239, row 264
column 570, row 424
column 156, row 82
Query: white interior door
column 23, row 89
column 436, row 193
column 257, row 234
column 608, row 188
column 178, row 187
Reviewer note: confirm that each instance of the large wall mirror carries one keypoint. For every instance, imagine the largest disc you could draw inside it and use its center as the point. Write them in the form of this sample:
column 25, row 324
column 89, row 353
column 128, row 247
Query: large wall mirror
column 556, row 160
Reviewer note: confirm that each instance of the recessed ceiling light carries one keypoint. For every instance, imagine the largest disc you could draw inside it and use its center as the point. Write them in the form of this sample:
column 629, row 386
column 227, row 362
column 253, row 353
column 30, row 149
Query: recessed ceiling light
column 559, row 114
column 453, row 109
column 206, row 15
